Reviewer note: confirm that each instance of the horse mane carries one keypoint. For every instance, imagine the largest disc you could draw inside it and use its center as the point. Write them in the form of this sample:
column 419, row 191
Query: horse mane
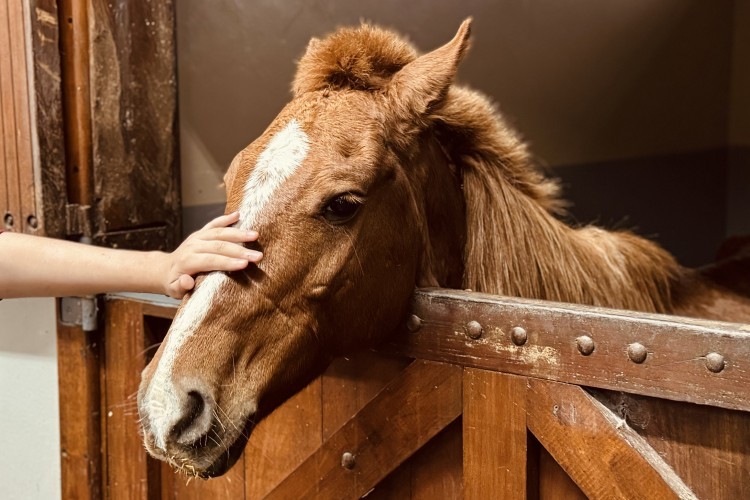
column 515, row 245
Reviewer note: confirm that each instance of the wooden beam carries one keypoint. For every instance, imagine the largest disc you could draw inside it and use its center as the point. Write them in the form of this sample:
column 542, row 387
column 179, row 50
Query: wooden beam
column 47, row 117
column 676, row 348
column 494, row 435
column 283, row 441
column 78, row 361
column 396, row 423
column 590, row 442
column 127, row 465
column 74, row 47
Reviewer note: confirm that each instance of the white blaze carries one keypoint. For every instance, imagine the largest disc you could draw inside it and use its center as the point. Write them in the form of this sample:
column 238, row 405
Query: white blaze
column 282, row 156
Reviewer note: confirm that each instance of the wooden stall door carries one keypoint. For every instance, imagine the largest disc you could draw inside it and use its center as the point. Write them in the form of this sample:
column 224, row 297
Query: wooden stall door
column 392, row 427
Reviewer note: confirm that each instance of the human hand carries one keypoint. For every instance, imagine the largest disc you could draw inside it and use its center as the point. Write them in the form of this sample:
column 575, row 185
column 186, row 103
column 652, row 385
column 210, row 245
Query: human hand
column 216, row 247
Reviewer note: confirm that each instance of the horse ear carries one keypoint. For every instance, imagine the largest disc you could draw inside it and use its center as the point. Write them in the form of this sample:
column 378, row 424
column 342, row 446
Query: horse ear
column 423, row 82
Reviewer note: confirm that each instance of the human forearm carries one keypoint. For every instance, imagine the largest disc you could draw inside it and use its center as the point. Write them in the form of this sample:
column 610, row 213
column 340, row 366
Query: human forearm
column 33, row 267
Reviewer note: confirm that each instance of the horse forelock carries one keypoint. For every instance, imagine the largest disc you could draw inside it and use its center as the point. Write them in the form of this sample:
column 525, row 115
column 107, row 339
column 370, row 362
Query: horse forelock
column 362, row 58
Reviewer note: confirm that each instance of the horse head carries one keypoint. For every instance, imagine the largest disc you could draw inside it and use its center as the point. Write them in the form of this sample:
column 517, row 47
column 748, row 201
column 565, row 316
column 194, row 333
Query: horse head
column 352, row 213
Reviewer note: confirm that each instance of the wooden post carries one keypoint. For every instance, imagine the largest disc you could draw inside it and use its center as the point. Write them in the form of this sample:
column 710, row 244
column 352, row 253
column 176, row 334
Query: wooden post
column 494, row 435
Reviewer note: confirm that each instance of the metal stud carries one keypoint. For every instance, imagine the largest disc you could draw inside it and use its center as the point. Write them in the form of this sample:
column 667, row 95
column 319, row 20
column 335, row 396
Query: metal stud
column 585, row 345
column 414, row 323
column 715, row 362
column 518, row 335
column 637, row 352
column 473, row 329
column 347, row 460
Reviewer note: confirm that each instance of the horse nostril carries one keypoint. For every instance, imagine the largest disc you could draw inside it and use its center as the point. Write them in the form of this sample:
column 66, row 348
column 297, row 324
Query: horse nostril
column 194, row 422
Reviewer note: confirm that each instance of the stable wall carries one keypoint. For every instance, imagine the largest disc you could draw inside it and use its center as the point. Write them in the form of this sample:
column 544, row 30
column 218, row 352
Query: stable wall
column 628, row 102
column 29, row 415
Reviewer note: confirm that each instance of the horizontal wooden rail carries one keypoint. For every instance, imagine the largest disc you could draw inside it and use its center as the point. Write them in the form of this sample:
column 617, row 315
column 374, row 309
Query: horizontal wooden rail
column 670, row 357
column 681, row 359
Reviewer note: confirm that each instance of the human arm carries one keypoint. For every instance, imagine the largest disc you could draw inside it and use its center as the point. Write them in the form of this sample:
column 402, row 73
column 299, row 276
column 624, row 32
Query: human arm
column 31, row 266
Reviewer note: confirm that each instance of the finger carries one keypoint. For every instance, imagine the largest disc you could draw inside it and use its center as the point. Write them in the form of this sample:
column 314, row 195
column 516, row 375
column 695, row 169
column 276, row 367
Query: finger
column 179, row 287
column 203, row 263
column 226, row 249
column 223, row 220
column 231, row 234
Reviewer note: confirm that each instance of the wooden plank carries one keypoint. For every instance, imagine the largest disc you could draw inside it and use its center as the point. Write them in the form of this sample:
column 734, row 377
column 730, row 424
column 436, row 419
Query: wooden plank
column 8, row 114
column 48, row 118
column 590, row 442
column 18, row 50
column 127, row 467
column 133, row 90
column 494, row 435
column 436, row 469
column 389, row 429
column 282, row 441
column 78, row 361
column 675, row 367
column 553, row 482
column 709, row 448
column 76, row 94
column 351, row 382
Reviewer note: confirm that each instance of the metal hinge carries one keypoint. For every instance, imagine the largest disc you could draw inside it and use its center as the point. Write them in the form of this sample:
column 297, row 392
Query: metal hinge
column 80, row 311
column 78, row 220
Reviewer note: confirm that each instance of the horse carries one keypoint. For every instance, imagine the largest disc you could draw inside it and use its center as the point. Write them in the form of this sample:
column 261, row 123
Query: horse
column 379, row 176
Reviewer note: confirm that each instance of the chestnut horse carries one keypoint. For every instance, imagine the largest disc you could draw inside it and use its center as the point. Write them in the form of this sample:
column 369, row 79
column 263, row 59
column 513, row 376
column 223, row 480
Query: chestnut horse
column 379, row 176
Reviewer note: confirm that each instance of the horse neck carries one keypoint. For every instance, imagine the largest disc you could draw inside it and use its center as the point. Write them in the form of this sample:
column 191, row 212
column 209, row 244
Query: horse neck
column 436, row 187
column 516, row 247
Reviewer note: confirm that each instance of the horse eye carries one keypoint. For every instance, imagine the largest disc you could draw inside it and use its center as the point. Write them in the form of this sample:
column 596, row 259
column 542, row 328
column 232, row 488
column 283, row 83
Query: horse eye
column 341, row 208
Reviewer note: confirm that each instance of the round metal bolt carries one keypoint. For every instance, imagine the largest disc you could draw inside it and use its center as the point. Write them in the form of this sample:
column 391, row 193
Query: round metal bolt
column 8, row 220
column 637, row 352
column 714, row 362
column 32, row 221
column 518, row 335
column 473, row 329
column 347, row 460
column 414, row 323
column 585, row 345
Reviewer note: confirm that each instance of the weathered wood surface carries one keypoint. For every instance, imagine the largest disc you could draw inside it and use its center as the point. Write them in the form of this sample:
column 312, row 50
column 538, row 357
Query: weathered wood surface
column 79, row 362
column 675, row 367
column 47, row 114
column 687, row 435
column 134, row 107
column 389, row 429
column 127, row 465
column 17, row 197
column 591, row 443
column 494, row 435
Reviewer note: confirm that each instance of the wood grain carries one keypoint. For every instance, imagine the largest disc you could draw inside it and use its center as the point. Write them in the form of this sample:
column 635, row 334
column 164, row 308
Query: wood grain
column 590, row 442
column 389, row 429
column 708, row 447
column 282, row 441
column 127, row 467
column 553, row 482
column 78, row 361
column 133, row 95
column 51, row 193
column 675, row 367
column 494, row 405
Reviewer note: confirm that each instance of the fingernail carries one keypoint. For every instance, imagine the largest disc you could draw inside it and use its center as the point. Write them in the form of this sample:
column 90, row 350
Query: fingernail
column 252, row 234
column 253, row 255
column 236, row 212
column 240, row 262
